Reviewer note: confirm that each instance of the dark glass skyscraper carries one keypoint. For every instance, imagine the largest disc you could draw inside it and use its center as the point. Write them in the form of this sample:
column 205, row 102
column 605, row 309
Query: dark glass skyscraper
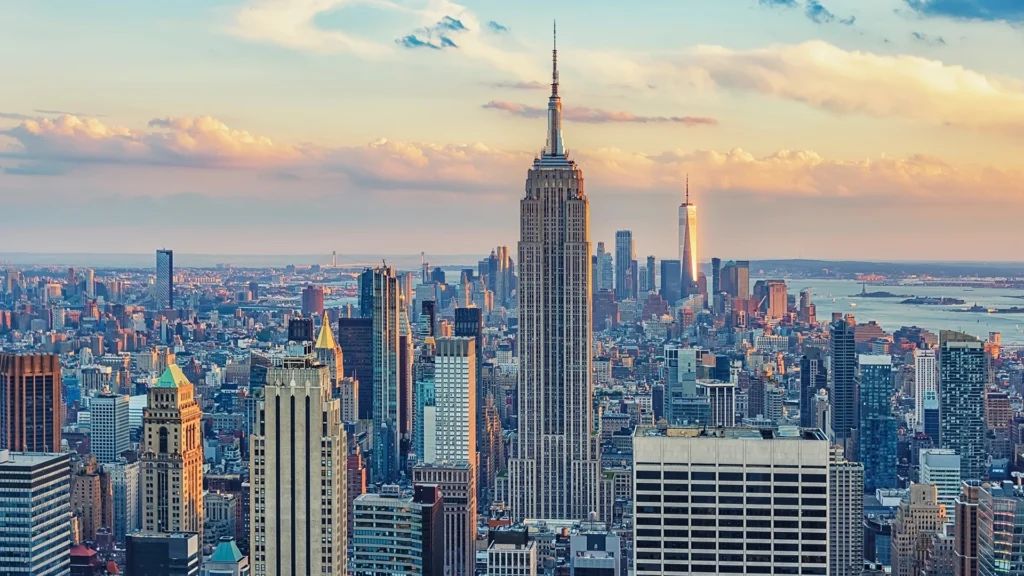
column 164, row 295
column 651, row 282
column 962, row 378
column 355, row 337
column 671, row 281
column 625, row 253
column 813, row 377
column 877, row 429
column 716, row 276
column 842, row 380
column 366, row 293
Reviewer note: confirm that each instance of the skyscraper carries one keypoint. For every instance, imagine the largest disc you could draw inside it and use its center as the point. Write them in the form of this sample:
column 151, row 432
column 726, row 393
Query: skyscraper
column 651, row 271
column 842, row 375
column 625, row 253
column 813, row 377
column 688, row 243
column 716, row 276
column 671, row 278
column 962, row 378
column 399, row 534
column 557, row 471
column 846, row 515
column 36, row 500
column 736, row 279
column 111, row 430
column 30, row 402
column 919, row 514
column 312, row 300
column 965, row 539
column 604, row 279
column 924, row 381
column 355, row 337
column 299, row 488
column 877, row 428
column 177, row 554
column 392, row 376
column 1000, row 538
column 329, row 353
column 164, row 295
column 172, row 457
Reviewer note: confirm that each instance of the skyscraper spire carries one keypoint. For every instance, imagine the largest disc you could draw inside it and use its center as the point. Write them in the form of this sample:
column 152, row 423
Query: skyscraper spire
column 687, row 188
column 554, row 145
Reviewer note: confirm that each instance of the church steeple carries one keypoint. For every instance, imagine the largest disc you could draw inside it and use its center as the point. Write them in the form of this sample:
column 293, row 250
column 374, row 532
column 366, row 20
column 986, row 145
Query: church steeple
column 554, row 145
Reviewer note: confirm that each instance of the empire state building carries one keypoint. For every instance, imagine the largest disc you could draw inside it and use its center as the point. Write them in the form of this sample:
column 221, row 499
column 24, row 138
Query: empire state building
column 555, row 473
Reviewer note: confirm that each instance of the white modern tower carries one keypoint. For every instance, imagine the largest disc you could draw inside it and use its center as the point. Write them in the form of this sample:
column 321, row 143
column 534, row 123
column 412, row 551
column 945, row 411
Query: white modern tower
column 925, row 380
column 556, row 470
column 688, row 243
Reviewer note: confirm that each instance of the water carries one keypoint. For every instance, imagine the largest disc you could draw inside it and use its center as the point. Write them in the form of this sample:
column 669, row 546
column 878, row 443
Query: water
column 890, row 314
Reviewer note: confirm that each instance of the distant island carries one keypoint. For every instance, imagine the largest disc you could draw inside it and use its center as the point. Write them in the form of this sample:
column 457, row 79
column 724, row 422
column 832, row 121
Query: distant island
column 880, row 295
column 1011, row 310
column 934, row 301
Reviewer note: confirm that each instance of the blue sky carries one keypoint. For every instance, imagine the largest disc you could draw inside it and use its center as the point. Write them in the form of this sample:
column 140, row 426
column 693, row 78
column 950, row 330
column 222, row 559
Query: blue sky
column 408, row 125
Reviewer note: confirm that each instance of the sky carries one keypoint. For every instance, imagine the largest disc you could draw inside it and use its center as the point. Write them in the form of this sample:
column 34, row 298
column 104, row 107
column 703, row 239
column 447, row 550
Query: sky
column 835, row 129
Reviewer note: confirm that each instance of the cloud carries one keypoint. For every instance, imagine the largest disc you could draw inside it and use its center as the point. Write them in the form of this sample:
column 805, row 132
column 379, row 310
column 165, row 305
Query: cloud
column 411, row 41
column 496, row 28
column 928, row 39
column 778, row 3
column 596, row 115
column 532, row 85
column 818, row 13
column 849, row 21
column 853, row 82
column 36, row 169
column 14, row 116
column 440, row 30
column 292, row 25
column 1011, row 11
column 450, row 24
column 63, row 112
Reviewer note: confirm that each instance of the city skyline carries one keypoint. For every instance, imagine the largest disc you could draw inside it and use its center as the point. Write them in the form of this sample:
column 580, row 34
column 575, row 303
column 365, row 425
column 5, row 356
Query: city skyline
column 769, row 118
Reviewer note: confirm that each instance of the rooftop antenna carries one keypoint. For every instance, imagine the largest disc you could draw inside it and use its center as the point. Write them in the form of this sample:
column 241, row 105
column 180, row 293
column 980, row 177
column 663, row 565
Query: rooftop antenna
column 687, row 188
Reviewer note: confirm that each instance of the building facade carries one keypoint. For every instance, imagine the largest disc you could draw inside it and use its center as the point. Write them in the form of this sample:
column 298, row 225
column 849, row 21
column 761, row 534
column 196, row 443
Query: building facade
column 298, row 484
column 556, row 471
column 172, row 457
column 688, row 244
column 963, row 374
column 30, row 402
column 111, row 429
column 813, row 377
column 842, row 381
column 173, row 554
column 399, row 534
column 36, row 504
column 458, row 486
column 919, row 517
column 846, row 515
column 877, row 430
column 941, row 467
column 1000, row 530
column 164, row 287
column 925, row 381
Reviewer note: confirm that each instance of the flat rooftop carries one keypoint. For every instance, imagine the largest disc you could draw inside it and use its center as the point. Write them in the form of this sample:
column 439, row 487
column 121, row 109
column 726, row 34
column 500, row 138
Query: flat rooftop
column 740, row 433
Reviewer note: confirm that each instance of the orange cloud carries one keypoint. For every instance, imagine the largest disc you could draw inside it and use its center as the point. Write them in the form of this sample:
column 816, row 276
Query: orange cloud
column 43, row 146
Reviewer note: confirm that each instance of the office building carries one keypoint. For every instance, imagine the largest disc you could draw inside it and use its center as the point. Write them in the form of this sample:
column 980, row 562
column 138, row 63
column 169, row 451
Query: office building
column 925, row 381
column 172, row 554
column 962, row 378
column 172, row 457
column 877, row 430
column 721, row 396
column 30, row 402
column 556, row 472
column 91, row 498
column 298, row 487
column 301, row 330
column 329, row 353
column 312, row 300
column 736, row 279
column 776, row 300
column 716, row 276
column 703, row 500
column 942, row 468
column 164, row 287
column 605, row 278
column 366, row 291
column 127, row 509
column 227, row 560
column 455, row 404
column 842, row 380
column 625, row 254
column 932, row 423
column 688, row 244
column 512, row 559
column 111, row 429
column 469, row 323
column 595, row 552
column 813, row 377
column 392, row 376
column 457, row 482
column 399, row 534
column 1000, row 530
column 965, row 532
column 846, row 515
column 919, row 515
column 355, row 337
column 36, row 504
column 671, row 281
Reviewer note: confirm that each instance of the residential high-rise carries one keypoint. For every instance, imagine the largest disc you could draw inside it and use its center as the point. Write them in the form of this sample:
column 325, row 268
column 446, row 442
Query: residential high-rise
column 172, row 457
column 164, row 294
column 925, row 380
column 703, row 501
column 469, row 323
column 299, row 484
column 124, row 483
column 651, row 271
column 877, row 429
column 557, row 471
column 455, row 401
column 842, row 380
column 392, row 376
column 941, row 467
column 716, row 276
column 30, row 402
column 312, row 300
column 399, row 534
column 1000, row 534
column 962, row 378
column 111, row 428
column 965, row 539
column 177, row 554
column 846, row 515
column 688, row 244
column 355, row 337
column 813, row 377
column 625, row 254
column 671, row 281
column 920, row 514
column 91, row 498
column 36, row 504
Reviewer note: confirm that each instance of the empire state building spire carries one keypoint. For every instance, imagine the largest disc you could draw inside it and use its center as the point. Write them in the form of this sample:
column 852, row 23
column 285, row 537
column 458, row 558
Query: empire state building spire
column 554, row 145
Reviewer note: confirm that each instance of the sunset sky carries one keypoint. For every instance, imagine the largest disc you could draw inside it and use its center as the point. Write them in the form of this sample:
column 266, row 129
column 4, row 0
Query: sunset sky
column 867, row 129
